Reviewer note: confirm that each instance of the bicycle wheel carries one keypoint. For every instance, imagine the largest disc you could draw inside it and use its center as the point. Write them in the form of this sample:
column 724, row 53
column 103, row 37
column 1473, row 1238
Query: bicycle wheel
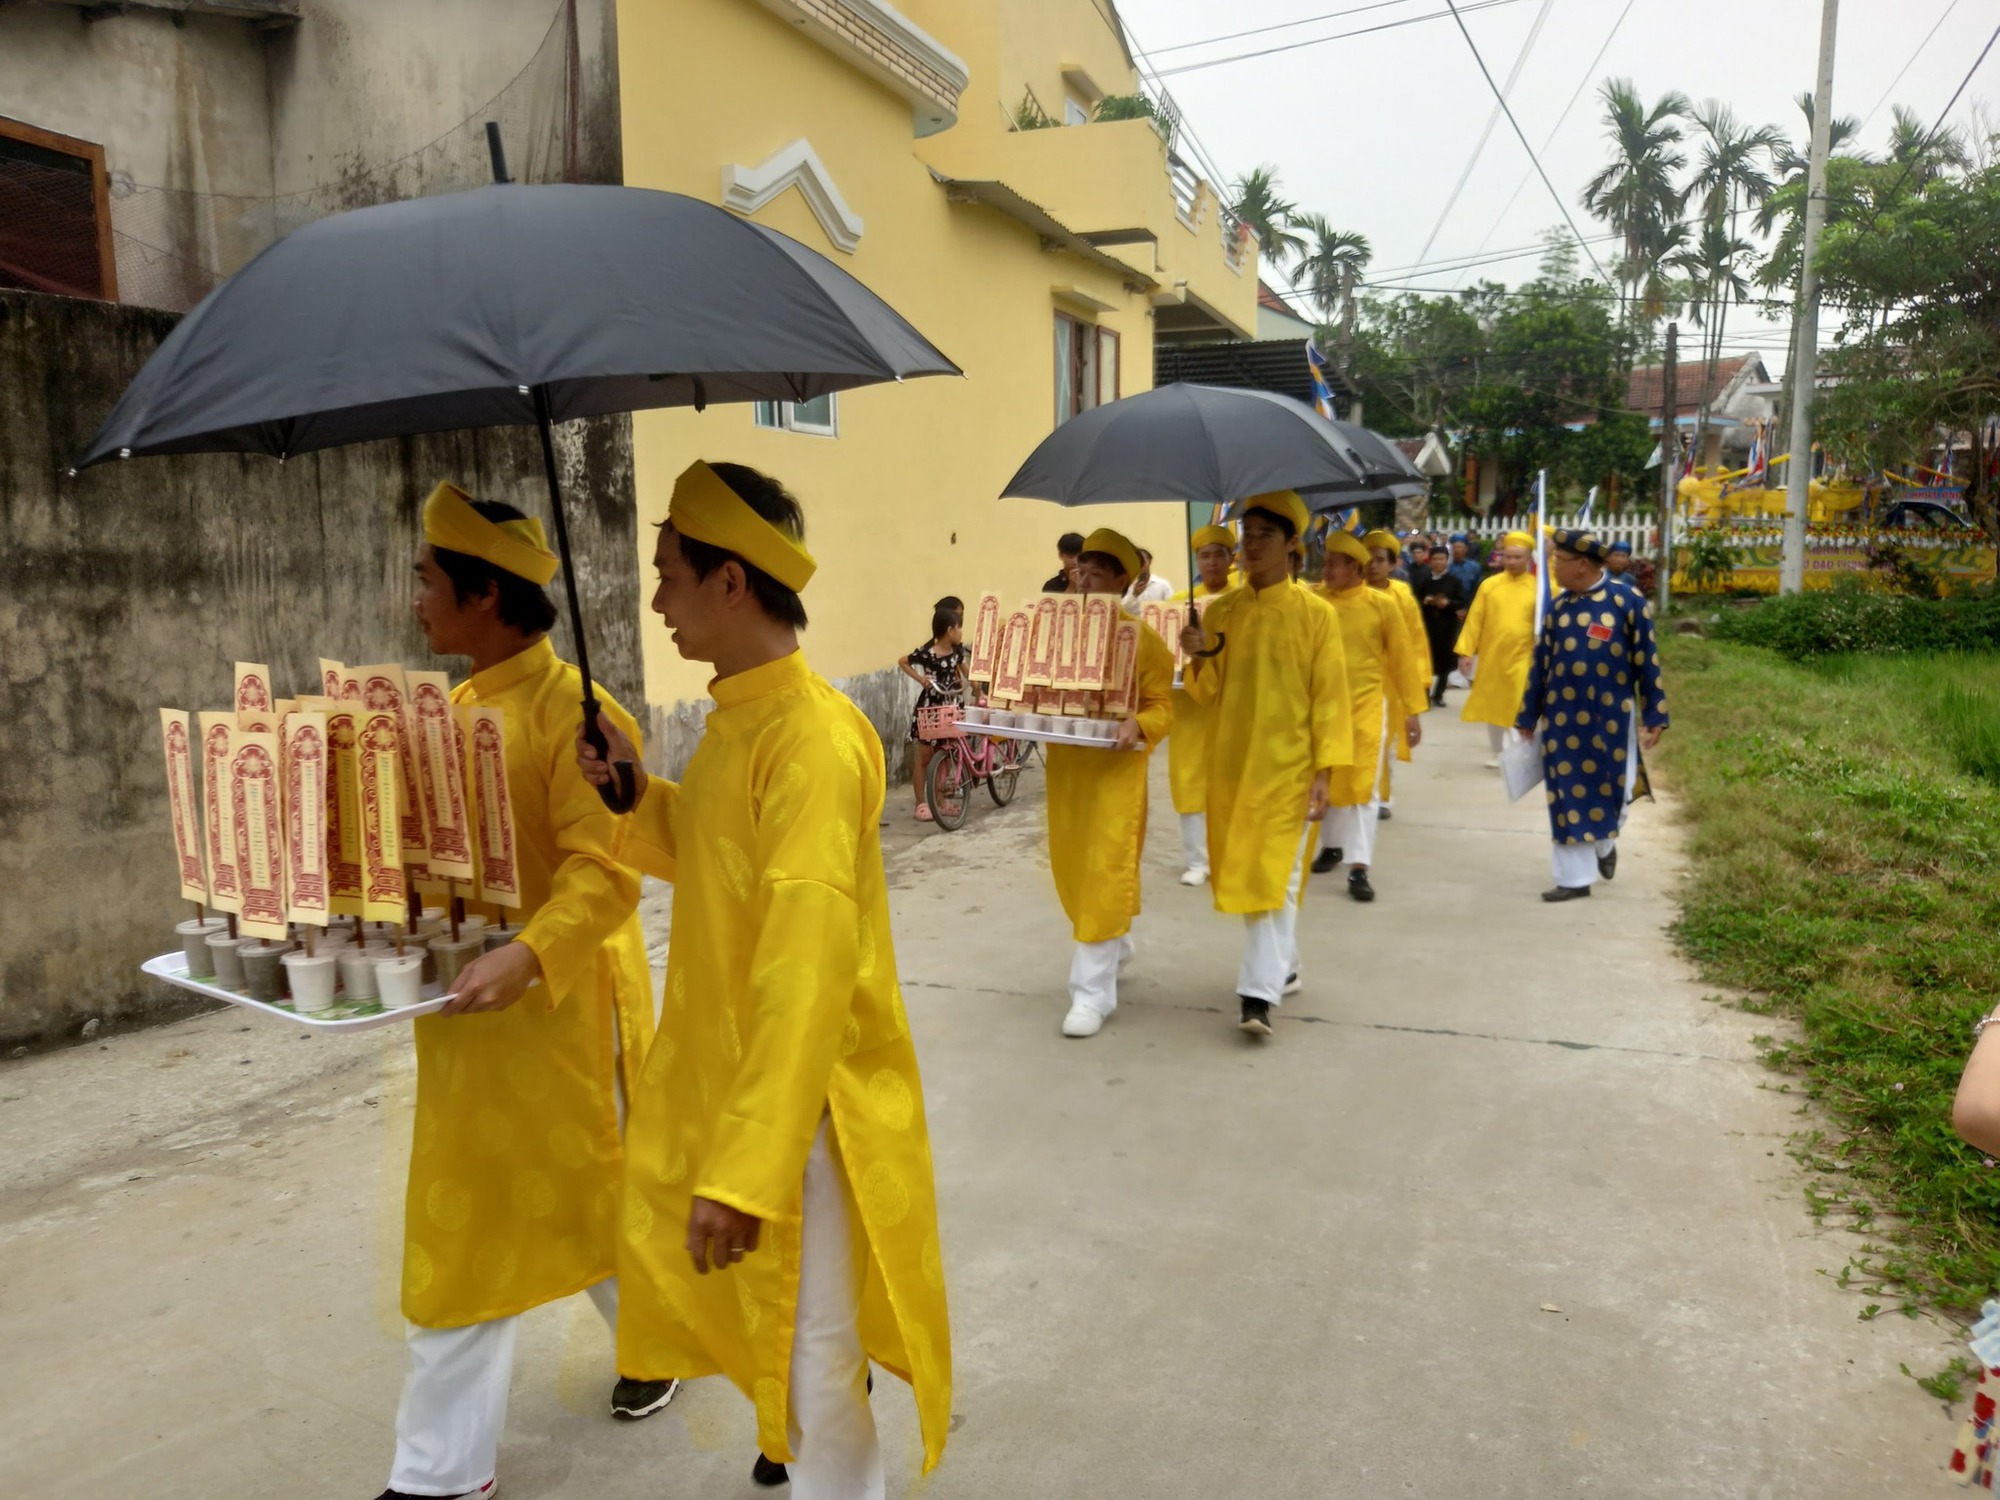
column 1004, row 779
column 945, row 789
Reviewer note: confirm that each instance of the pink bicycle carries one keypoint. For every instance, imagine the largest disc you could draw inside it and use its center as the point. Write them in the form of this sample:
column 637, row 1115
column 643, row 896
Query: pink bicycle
column 964, row 760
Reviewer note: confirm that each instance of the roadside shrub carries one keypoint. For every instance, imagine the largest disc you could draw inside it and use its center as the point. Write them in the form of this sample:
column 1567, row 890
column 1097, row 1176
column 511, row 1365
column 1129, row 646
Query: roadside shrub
column 1803, row 626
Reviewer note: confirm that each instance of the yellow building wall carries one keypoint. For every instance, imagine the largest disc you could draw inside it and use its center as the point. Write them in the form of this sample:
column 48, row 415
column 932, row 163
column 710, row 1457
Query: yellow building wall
column 902, row 507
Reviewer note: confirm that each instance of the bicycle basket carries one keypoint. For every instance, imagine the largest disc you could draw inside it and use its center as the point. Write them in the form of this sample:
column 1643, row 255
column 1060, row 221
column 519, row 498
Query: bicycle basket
column 939, row 722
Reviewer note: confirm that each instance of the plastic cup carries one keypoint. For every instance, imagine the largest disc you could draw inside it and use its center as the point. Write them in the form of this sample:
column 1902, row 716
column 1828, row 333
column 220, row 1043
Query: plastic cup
column 431, row 914
column 971, row 714
column 262, row 974
column 400, row 980
column 357, row 973
column 312, row 976
column 194, row 935
column 500, row 937
column 225, row 955
column 450, row 957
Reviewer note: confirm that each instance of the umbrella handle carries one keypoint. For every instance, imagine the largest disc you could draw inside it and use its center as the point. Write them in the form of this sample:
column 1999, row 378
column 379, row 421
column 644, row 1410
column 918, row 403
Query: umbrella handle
column 621, row 796
column 1215, row 650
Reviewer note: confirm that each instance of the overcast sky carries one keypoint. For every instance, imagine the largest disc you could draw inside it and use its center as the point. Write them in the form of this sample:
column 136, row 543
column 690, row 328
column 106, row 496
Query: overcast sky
column 1374, row 131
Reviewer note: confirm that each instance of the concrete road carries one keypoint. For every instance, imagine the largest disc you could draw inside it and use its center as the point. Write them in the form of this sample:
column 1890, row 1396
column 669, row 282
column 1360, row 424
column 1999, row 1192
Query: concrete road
column 1503, row 1209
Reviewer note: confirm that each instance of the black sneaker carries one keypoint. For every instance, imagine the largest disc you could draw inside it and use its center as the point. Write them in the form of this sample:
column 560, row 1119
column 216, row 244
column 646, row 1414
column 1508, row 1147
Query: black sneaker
column 767, row 1475
column 1607, row 866
column 1256, row 1017
column 485, row 1492
column 1567, row 893
column 1384, row 813
column 1358, row 886
column 632, row 1400
column 1326, row 860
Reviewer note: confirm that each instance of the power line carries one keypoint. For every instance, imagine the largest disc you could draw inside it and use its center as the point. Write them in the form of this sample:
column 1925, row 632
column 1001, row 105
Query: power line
column 1582, row 84
column 1492, row 119
column 1521, row 136
column 1237, row 36
column 1436, row 15
column 1472, row 261
column 1908, row 65
column 1917, row 154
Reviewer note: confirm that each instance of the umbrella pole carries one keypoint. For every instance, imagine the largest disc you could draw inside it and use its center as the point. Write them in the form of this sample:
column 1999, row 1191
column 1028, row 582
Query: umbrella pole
column 621, row 796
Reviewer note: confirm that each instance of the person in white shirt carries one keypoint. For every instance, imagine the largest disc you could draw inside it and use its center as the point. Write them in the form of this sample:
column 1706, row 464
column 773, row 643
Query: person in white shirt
column 1148, row 587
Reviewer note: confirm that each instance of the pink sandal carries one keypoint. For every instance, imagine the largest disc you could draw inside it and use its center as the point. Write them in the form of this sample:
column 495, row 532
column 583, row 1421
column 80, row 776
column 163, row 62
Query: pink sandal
column 924, row 813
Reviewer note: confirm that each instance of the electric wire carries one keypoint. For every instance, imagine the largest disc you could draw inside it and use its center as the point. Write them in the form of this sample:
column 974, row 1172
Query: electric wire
column 1216, row 62
column 1237, row 36
column 1521, row 136
column 1909, row 64
column 1944, row 114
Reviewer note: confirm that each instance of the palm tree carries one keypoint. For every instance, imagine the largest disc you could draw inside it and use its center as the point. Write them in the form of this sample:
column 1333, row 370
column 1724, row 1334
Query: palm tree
column 1730, row 174
column 1256, row 203
column 1329, row 271
column 1712, row 262
column 1912, row 145
column 1636, row 194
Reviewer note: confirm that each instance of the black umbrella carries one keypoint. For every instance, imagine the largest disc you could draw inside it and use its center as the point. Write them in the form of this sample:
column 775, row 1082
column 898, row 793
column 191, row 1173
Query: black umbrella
column 500, row 306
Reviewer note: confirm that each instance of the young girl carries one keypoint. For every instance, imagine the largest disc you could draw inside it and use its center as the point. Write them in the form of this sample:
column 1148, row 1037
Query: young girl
column 940, row 667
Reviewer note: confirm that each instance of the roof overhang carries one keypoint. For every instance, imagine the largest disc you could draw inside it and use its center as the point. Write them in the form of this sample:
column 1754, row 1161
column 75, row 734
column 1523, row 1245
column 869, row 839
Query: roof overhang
column 1055, row 235
column 1184, row 316
column 879, row 40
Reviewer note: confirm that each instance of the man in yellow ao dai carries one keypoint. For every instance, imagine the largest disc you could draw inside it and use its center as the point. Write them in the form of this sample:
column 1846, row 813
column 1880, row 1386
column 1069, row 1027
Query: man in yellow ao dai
column 1097, row 807
column 1384, row 551
column 781, row 1103
column 1273, row 676
column 1381, row 677
column 516, row 1161
column 1187, row 752
column 1499, row 631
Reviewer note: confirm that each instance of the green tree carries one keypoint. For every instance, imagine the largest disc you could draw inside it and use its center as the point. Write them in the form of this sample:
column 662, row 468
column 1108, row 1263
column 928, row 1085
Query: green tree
column 1332, row 264
column 1925, row 154
column 1919, row 354
column 1636, row 195
column 1731, row 174
column 1256, row 201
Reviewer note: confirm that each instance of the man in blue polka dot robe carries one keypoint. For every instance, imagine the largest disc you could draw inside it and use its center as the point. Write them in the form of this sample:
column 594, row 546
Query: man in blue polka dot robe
column 1594, row 699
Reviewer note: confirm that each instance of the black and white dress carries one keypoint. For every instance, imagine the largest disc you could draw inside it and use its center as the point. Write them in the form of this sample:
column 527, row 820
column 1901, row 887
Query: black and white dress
column 946, row 669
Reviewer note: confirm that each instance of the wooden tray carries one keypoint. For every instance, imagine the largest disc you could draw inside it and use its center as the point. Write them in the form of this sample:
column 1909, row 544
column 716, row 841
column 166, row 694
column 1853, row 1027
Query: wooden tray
column 342, row 1015
column 1040, row 736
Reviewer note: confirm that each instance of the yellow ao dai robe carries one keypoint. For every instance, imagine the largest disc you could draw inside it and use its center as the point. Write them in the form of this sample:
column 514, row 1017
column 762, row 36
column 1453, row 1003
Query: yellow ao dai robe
column 515, row 1160
column 1381, row 677
column 782, row 1006
column 1278, row 715
column 1187, row 751
column 1500, row 630
column 1097, row 809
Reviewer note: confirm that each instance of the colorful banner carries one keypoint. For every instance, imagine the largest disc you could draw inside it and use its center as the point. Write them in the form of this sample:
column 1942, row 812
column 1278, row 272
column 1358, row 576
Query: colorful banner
column 307, row 767
column 218, row 731
column 259, row 833
column 183, row 803
column 440, row 775
column 486, row 774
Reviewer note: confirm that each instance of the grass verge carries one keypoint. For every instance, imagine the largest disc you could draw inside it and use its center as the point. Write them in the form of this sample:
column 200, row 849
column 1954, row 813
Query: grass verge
column 1845, row 842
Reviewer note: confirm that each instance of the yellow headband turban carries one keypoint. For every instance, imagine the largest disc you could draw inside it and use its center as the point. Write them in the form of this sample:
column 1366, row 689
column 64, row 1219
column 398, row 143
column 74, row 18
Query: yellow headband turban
column 705, row 509
column 1284, row 503
column 1386, row 540
column 1347, row 544
column 1518, row 539
column 1213, row 536
column 1114, row 544
column 516, row 547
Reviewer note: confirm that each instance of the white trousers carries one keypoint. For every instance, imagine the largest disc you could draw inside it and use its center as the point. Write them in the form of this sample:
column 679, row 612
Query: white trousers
column 1576, row 864
column 455, row 1401
column 1194, row 841
column 832, row 1428
column 1496, row 737
column 1271, row 939
column 1351, row 830
column 1093, row 972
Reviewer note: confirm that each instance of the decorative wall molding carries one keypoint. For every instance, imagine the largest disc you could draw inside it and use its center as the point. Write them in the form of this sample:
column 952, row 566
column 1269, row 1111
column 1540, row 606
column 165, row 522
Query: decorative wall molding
column 889, row 47
column 747, row 189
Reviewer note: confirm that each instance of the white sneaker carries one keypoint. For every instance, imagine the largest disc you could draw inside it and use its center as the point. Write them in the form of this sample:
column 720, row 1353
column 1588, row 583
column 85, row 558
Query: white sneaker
column 1082, row 1021
column 1194, row 877
column 1292, row 985
column 1492, row 762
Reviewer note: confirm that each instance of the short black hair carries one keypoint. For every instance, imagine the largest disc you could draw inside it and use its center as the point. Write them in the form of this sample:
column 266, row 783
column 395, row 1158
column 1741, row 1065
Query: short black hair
column 524, row 604
column 951, row 602
column 1283, row 523
column 943, row 619
column 1070, row 543
column 1418, row 544
column 781, row 508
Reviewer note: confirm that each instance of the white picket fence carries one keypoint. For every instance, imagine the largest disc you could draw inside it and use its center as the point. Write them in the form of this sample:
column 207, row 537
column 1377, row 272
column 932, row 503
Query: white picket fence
column 1640, row 535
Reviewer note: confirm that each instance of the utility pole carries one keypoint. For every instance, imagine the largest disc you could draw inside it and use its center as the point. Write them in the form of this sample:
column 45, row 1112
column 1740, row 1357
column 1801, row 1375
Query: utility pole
column 1670, row 452
column 1805, row 330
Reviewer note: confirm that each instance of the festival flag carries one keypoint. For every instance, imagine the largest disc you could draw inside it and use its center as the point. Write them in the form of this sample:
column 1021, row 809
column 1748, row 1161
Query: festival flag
column 1316, row 363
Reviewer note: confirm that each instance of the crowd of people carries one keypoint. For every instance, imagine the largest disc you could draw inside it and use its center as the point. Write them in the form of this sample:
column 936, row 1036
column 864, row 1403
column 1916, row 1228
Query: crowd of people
column 744, row 1187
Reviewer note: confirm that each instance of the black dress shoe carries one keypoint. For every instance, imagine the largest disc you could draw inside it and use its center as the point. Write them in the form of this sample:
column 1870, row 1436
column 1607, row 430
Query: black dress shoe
column 1567, row 893
column 1607, row 866
column 1358, row 886
column 1384, row 814
column 1325, row 861
column 767, row 1475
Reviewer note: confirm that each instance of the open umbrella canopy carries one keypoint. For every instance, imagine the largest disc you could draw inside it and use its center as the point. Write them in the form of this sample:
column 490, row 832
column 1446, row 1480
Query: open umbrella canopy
column 448, row 312
column 1211, row 444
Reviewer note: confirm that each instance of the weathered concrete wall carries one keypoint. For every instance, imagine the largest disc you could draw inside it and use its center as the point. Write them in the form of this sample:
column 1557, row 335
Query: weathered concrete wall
column 135, row 586
column 886, row 697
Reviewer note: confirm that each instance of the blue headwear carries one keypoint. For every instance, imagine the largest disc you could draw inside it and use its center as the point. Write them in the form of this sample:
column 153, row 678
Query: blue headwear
column 1580, row 540
column 1624, row 547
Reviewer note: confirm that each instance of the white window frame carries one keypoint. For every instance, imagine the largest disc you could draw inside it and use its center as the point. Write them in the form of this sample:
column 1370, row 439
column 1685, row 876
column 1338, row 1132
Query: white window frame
column 783, row 416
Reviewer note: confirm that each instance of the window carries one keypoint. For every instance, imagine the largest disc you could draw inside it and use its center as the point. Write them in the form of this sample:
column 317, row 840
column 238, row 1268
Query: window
column 1087, row 359
column 55, row 214
column 1075, row 111
column 816, row 417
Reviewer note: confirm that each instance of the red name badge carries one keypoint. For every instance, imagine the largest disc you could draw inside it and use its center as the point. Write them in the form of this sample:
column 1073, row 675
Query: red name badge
column 1600, row 632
